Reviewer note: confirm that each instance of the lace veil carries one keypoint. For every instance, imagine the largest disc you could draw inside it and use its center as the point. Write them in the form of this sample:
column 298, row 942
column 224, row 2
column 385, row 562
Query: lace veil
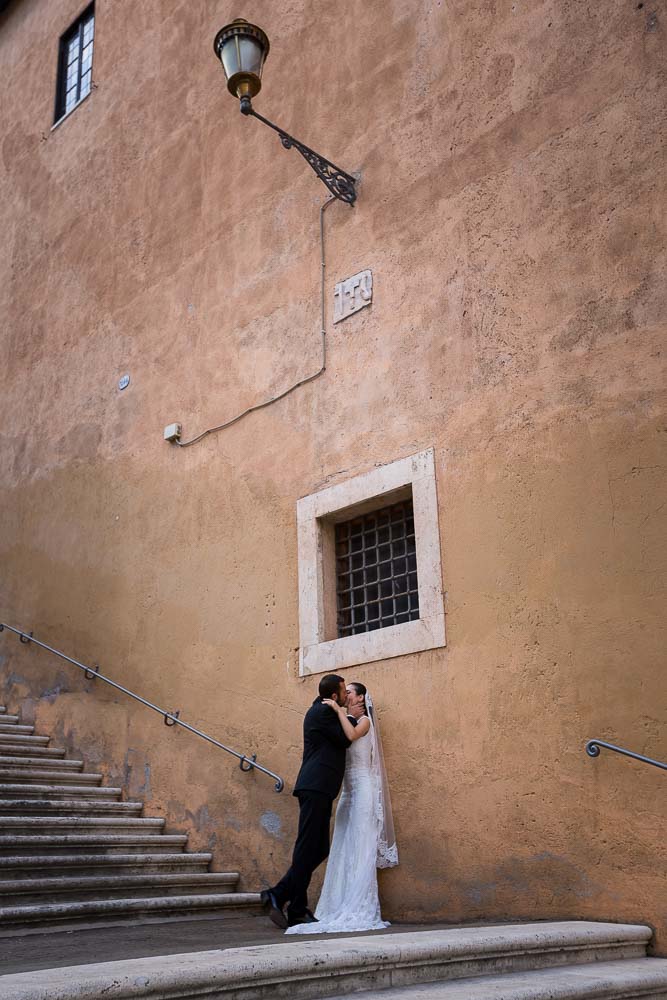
column 387, row 851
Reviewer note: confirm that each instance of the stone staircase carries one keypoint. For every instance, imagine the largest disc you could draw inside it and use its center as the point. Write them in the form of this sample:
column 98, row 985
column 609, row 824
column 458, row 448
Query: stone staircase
column 71, row 850
column 574, row 960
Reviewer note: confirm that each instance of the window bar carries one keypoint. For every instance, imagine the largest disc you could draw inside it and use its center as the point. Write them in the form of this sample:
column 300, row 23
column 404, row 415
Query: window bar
column 80, row 66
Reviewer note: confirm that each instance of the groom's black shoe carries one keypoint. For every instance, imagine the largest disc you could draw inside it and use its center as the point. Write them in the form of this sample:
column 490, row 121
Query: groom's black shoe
column 270, row 904
column 302, row 918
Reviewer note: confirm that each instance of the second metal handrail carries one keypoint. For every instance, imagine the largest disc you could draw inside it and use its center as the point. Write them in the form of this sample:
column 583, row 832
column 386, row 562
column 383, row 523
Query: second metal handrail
column 170, row 718
column 593, row 750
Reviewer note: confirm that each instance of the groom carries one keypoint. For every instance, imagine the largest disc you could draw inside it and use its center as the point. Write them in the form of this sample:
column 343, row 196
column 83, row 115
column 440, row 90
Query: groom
column 317, row 785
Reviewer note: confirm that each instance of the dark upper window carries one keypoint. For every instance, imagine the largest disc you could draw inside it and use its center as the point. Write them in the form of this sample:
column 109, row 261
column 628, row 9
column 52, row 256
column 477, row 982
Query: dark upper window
column 376, row 570
column 75, row 63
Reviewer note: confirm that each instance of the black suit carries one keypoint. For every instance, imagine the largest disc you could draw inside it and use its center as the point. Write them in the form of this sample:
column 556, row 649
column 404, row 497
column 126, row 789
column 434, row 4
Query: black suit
column 317, row 785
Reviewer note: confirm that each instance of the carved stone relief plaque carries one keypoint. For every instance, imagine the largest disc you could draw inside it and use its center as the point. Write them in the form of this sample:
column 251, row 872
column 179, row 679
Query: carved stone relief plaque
column 352, row 295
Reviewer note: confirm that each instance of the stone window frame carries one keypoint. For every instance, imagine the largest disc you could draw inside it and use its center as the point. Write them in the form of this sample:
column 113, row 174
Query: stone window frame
column 321, row 651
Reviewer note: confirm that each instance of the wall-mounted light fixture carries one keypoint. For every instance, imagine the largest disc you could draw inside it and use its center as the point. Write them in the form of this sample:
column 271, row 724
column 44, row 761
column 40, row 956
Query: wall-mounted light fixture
column 242, row 49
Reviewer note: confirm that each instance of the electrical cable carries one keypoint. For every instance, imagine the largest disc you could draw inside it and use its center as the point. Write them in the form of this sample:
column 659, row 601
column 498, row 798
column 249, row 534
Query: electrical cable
column 303, row 381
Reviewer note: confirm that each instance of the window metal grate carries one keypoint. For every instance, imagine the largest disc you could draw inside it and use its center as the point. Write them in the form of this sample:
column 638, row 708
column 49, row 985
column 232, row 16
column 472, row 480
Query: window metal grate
column 75, row 64
column 376, row 570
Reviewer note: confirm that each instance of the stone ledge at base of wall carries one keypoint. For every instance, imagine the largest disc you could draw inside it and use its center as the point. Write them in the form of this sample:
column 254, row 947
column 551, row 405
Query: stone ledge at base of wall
column 326, row 967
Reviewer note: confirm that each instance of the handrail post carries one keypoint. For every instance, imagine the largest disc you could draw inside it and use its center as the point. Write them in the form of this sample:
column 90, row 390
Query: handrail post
column 249, row 761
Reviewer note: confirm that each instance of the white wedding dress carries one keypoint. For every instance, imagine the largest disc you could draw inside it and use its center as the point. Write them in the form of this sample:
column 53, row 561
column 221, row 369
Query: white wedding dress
column 349, row 899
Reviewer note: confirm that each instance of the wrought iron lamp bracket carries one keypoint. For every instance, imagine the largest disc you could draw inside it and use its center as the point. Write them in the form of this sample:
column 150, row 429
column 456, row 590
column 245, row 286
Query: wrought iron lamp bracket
column 341, row 184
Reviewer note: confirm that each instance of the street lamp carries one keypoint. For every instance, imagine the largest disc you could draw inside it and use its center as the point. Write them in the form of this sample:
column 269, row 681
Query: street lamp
column 242, row 49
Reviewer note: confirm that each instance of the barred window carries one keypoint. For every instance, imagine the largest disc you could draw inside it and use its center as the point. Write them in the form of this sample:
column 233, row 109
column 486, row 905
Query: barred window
column 75, row 63
column 370, row 579
column 376, row 570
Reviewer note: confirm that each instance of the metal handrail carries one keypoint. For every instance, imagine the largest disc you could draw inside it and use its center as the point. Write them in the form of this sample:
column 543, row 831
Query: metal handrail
column 593, row 750
column 170, row 718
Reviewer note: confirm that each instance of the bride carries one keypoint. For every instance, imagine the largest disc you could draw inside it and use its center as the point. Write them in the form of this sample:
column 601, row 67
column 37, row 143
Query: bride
column 363, row 839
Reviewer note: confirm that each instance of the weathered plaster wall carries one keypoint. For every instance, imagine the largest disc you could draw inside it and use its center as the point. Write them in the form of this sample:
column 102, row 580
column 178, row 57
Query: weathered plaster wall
column 512, row 210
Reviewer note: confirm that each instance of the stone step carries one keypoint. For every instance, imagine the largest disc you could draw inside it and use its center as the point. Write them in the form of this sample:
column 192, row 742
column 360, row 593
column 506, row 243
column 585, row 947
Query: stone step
column 303, row 969
column 91, row 843
column 3, row 709
column 64, row 806
column 9, row 720
column 641, row 977
column 60, row 791
column 70, row 888
column 14, row 737
column 9, row 775
column 22, row 762
column 37, row 866
column 30, row 750
column 83, row 824
column 46, row 914
column 14, row 728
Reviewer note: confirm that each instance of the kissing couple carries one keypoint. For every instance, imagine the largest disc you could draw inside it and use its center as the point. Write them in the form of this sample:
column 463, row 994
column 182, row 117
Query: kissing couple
column 341, row 746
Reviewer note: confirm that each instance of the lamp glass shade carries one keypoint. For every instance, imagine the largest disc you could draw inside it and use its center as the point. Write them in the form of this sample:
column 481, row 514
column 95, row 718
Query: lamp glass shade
column 242, row 48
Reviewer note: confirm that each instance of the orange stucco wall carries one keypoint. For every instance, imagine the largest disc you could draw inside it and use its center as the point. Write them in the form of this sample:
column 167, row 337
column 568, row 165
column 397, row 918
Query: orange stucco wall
column 511, row 208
